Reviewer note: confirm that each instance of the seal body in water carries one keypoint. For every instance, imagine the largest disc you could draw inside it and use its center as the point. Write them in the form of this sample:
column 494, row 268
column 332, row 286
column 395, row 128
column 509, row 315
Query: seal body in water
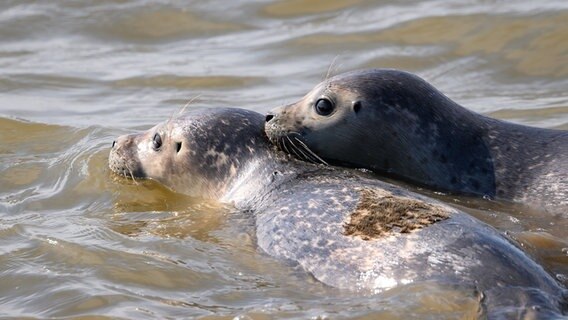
column 347, row 231
column 395, row 123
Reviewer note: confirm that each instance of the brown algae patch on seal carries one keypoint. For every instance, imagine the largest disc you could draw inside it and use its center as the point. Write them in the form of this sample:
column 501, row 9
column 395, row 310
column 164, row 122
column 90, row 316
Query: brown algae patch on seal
column 378, row 214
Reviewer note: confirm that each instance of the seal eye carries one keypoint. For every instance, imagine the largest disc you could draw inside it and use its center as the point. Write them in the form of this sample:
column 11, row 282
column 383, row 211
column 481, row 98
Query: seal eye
column 324, row 107
column 157, row 141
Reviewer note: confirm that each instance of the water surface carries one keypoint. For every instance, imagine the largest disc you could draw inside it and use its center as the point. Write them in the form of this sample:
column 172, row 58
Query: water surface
column 77, row 241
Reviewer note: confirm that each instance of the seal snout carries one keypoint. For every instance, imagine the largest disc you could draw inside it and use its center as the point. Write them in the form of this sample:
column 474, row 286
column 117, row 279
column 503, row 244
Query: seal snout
column 271, row 128
column 123, row 158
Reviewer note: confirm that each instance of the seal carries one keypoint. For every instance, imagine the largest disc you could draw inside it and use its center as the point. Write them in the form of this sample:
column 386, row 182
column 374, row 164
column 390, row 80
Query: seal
column 348, row 231
column 396, row 124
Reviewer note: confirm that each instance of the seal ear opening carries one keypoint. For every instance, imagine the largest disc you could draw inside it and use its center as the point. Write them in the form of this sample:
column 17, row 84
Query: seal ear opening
column 178, row 146
column 357, row 106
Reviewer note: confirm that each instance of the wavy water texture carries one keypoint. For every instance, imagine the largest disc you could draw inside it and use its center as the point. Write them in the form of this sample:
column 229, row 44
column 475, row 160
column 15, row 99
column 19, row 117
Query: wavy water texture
column 78, row 241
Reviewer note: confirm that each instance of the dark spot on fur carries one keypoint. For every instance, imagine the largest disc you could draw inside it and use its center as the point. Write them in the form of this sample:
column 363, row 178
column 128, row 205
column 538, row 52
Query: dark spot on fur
column 378, row 215
column 443, row 159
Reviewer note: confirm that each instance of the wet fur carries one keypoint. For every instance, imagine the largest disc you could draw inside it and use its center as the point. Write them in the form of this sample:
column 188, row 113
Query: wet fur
column 301, row 211
column 407, row 129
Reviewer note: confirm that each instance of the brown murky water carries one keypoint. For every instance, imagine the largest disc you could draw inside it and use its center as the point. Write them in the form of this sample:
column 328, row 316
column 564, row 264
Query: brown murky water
column 75, row 74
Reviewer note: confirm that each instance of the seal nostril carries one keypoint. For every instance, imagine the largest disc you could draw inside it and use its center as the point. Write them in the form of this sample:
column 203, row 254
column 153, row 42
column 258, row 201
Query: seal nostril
column 269, row 117
column 357, row 106
column 113, row 143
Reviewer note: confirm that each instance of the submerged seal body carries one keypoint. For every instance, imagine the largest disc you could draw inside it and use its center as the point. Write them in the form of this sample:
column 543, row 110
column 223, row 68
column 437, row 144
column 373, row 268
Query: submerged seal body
column 395, row 123
column 346, row 230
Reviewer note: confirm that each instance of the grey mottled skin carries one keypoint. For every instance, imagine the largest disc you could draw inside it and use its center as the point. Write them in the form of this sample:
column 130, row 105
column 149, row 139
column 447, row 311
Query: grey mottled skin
column 300, row 210
column 404, row 127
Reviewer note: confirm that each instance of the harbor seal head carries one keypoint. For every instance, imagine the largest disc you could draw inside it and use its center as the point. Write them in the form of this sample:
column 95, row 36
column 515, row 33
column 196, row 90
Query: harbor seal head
column 395, row 123
column 199, row 154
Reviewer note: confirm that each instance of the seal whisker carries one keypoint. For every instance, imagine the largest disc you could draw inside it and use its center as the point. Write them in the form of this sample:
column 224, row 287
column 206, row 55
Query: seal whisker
column 307, row 155
column 283, row 146
column 331, row 65
column 305, row 147
column 291, row 146
column 188, row 103
column 131, row 174
column 298, row 149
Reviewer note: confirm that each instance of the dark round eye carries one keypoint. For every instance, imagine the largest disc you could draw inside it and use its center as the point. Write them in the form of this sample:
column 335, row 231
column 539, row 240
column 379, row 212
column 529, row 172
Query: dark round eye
column 157, row 141
column 324, row 107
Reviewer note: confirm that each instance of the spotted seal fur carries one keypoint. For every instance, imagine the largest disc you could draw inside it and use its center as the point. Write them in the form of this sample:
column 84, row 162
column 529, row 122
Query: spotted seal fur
column 395, row 123
column 303, row 213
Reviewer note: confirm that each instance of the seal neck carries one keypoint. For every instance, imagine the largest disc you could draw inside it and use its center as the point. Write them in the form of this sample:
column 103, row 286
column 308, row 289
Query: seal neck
column 441, row 145
column 454, row 149
column 235, row 161
column 260, row 176
column 524, row 158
